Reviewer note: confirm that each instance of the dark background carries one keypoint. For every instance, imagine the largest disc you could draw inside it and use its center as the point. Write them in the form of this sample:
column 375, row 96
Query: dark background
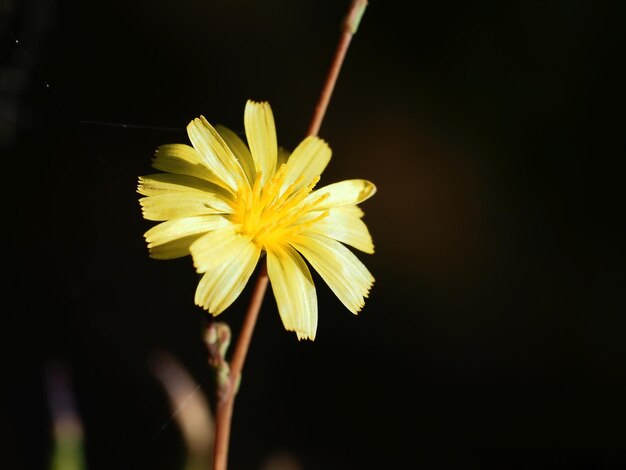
column 495, row 335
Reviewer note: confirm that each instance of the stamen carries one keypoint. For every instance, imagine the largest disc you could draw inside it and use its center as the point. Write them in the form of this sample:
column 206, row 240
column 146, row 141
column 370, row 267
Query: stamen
column 272, row 214
column 256, row 188
column 273, row 186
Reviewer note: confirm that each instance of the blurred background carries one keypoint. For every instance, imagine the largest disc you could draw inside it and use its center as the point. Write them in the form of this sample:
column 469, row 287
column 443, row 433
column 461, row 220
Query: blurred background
column 495, row 335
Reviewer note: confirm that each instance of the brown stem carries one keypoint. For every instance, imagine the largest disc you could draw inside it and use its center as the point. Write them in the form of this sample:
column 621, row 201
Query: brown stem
column 224, row 412
column 349, row 27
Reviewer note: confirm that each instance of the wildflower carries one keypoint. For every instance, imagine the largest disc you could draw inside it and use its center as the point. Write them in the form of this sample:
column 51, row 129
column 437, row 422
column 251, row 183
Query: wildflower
column 226, row 203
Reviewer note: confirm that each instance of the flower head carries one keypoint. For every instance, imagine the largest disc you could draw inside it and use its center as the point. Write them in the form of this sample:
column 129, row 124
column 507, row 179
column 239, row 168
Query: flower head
column 226, row 203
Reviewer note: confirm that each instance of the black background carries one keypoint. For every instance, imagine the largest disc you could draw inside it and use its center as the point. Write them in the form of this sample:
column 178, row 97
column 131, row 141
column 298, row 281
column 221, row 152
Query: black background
column 494, row 337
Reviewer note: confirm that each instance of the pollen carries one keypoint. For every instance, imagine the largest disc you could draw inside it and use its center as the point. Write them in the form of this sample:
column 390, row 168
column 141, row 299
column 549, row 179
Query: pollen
column 273, row 213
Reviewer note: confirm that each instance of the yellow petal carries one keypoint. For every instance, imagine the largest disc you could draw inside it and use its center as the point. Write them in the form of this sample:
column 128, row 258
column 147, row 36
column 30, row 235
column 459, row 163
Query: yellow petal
column 354, row 211
column 307, row 161
column 343, row 193
column 240, row 150
column 261, row 134
column 345, row 225
column 344, row 273
column 176, row 205
column 294, row 291
column 216, row 247
column 174, row 249
column 172, row 239
column 160, row 183
column 219, row 287
column 215, row 153
column 183, row 160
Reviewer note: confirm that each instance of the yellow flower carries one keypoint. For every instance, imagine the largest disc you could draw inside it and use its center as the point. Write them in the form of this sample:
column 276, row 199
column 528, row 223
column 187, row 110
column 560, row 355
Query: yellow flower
column 226, row 204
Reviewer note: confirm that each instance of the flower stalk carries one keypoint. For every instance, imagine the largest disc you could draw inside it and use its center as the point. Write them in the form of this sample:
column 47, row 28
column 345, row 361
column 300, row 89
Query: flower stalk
column 225, row 404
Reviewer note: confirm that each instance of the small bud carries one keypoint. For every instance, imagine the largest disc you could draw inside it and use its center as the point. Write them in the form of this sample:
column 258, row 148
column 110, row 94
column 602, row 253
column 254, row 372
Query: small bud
column 217, row 338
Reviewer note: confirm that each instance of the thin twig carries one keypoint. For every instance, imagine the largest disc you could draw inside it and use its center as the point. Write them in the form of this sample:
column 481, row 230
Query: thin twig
column 225, row 405
column 349, row 27
column 224, row 411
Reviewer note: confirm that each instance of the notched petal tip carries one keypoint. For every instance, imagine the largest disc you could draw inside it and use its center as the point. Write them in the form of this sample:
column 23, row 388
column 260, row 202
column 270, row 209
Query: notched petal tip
column 255, row 106
column 204, row 121
column 200, row 269
column 304, row 336
column 358, row 306
column 197, row 120
column 301, row 334
column 368, row 190
column 197, row 123
column 207, row 308
column 251, row 102
column 157, row 255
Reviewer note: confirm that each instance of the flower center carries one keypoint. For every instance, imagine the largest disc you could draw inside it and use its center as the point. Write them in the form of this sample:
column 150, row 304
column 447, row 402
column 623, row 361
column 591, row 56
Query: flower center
column 272, row 214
